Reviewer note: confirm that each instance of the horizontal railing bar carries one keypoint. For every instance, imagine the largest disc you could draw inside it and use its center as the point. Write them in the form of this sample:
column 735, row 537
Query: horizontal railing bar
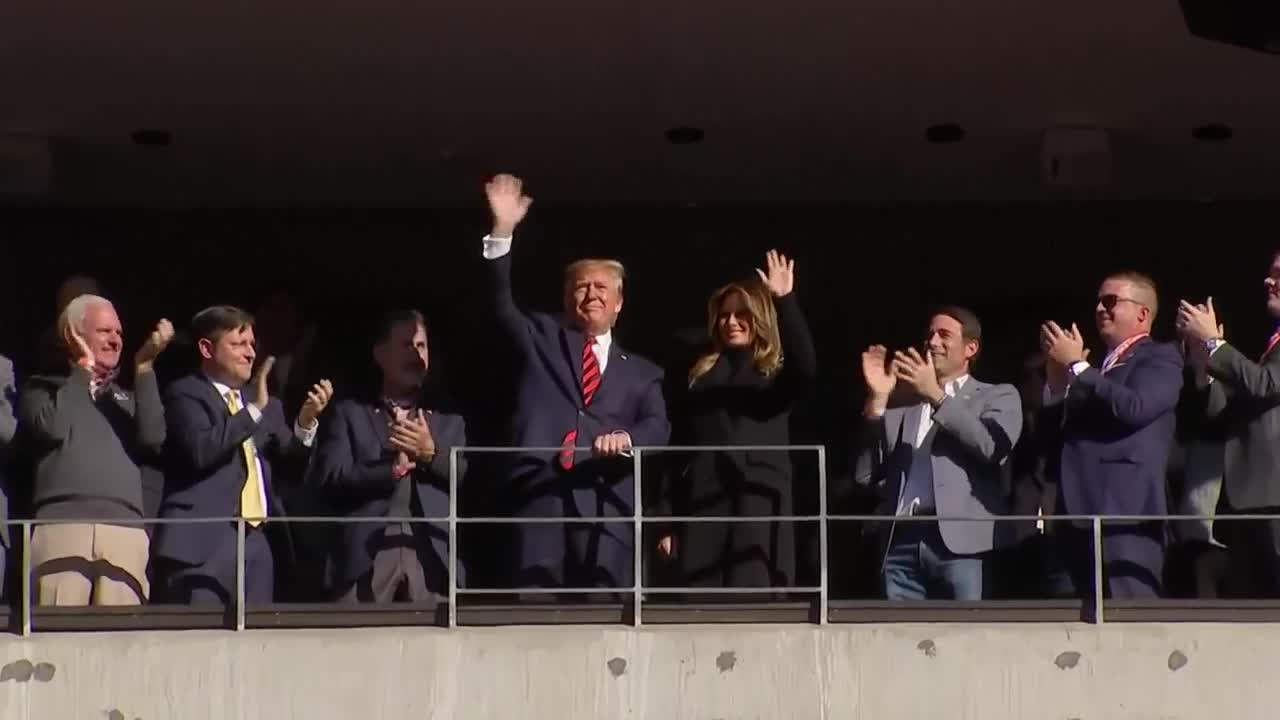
column 647, row 589
column 733, row 591
column 545, row 591
column 646, row 450
column 645, row 519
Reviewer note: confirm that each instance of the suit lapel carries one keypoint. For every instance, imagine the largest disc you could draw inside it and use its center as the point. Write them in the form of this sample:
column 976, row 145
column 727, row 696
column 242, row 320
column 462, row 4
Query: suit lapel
column 377, row 424
column 911, row 424
column 571, row 342
column 617, row 361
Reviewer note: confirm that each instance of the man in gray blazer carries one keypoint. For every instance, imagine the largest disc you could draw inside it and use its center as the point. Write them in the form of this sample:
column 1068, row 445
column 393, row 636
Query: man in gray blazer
column 936, row 440
column 8, row 427
column 1244, row 396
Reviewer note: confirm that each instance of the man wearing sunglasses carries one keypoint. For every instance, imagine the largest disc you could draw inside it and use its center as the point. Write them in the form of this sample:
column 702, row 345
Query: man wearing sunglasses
column 1114, row 428
column 1245, row 395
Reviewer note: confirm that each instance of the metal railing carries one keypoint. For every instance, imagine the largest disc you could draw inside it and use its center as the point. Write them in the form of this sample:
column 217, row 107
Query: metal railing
column 637, row 519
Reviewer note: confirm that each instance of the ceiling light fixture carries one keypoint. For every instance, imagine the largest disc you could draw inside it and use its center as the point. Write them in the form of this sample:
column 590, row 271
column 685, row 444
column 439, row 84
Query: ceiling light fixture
column 685, row 135
column 152, row 138
column 944, row 133
column 1213, row 132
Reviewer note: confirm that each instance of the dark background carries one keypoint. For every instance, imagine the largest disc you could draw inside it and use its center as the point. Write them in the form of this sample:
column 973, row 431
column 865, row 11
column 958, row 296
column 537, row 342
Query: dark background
column 863, row 276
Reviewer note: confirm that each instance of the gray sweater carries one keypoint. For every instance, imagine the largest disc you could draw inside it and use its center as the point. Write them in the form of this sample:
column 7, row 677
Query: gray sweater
column 88, row 451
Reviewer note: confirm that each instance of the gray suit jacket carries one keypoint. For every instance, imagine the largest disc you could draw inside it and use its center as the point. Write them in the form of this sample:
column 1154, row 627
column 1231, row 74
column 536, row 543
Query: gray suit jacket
column 1246, row 396
column 972, row 437
column 8, row 427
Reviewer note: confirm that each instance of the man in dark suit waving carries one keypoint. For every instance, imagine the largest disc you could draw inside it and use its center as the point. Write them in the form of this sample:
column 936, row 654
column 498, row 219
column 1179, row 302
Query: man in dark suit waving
column 1114, row 428
column 1246, row 396
column 221, row 447
column 576, row 388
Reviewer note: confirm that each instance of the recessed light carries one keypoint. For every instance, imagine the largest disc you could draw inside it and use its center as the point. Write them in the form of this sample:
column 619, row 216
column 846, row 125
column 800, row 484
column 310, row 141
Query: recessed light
column 153, row 138
column 1213, row 132
column 944, row 133
column 685, row 135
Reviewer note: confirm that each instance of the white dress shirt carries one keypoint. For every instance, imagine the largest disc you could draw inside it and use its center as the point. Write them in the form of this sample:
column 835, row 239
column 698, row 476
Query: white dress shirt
column 305, row 435
column 926, row 412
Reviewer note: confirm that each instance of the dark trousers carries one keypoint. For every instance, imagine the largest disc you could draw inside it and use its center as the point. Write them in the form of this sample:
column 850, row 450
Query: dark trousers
column 1252, row 551
column 1132, row 557
column 214, row 581
column 596, row 555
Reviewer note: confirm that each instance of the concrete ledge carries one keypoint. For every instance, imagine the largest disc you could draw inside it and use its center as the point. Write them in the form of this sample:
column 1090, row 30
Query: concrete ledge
column 935, row 671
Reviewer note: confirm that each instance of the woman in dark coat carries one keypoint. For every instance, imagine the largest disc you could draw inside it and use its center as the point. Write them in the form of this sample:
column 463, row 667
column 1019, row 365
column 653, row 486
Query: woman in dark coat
column 740, row 392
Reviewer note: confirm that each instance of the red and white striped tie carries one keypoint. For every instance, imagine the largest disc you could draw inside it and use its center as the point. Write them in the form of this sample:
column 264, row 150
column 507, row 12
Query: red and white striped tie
column 590, row 382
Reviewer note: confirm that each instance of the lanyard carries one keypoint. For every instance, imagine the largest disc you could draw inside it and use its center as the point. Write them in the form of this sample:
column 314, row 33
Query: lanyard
column 1119, row 352
column 1271, row 345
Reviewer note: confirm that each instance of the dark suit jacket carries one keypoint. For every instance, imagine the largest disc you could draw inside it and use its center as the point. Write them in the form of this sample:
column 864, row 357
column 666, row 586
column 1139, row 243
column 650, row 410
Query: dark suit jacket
column 205, row 468
column 1113, row 448
column 1245, row 396
column 352, row 467
column 549, row 401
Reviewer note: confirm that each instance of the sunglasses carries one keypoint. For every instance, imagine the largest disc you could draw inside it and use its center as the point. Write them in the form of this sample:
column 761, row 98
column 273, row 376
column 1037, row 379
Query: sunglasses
column 1110, row 301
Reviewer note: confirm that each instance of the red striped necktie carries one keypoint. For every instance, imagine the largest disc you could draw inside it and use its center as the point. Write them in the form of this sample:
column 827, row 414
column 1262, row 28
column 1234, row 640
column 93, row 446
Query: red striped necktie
column 590, row 383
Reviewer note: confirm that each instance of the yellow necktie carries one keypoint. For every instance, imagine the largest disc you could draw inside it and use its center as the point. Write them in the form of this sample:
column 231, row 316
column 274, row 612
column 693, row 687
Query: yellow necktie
column 251, row 494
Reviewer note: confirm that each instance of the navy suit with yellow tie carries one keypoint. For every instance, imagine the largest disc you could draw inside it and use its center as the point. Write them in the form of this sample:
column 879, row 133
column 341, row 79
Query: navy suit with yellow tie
column 208, row 475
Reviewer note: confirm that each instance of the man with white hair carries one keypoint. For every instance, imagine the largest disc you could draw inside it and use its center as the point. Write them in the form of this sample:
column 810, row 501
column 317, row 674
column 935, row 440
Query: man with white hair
column 88, row 436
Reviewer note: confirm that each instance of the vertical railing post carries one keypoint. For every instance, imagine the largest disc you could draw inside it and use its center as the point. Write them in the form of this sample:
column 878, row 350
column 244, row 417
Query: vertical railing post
column 637, row 511
column 1098, row 580
column 453, row 537
column 26, row 578
column 823, row 593
column 240, row 573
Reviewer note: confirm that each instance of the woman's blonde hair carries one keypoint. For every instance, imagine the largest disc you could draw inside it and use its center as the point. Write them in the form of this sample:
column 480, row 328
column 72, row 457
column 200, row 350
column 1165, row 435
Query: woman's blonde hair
column 766, row 345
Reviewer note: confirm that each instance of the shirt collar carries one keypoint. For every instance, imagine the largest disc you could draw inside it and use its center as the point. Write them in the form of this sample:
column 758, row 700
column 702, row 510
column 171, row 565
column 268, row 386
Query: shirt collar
column 605, row 340
column 954, row 386
column 223, row 390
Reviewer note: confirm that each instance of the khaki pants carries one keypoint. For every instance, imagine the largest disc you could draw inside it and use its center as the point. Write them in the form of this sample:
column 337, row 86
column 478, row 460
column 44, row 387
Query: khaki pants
column 397, row 573
column 80, row 564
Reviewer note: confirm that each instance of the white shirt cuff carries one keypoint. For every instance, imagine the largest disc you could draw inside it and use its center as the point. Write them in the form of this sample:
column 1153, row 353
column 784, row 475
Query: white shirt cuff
column 1079, row 367
column 306, row 436
column 254, row 412
column 495, row 248
column 1215, row 345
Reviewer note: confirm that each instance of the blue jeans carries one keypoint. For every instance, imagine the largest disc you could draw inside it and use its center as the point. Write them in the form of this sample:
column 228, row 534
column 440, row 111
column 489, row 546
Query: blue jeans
column 918, row 566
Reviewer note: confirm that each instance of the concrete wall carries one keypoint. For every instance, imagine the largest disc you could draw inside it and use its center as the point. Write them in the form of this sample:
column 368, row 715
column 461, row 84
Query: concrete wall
column 940, row 672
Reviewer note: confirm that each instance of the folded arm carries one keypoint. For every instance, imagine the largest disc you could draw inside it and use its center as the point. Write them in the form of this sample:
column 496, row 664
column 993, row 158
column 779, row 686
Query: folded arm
column 650, row 426
column 989, row 434
column 1148, row 392
column 200, row 441
column 149, row 412
column 48, row 415
column 8, row 397
column 335, row 467
column 1245, row 377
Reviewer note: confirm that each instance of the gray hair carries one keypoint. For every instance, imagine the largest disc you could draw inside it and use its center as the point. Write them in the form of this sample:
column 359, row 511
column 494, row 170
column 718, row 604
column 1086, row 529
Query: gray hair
column 73, row 314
